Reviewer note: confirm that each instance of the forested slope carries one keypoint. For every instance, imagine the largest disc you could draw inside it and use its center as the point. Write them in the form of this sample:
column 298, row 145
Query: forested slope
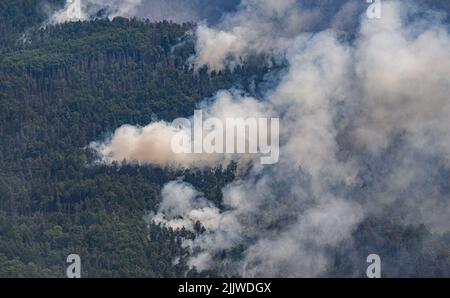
column 64, row 86
column 59, row 91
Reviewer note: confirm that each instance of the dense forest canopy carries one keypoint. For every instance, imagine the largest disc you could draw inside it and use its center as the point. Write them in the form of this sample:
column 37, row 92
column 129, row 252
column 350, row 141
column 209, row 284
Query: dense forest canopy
column 64, row 86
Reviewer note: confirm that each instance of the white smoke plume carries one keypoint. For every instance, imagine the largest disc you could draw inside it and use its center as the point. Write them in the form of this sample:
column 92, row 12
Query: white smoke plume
column 361, row 121
column 154, row 10
column 242, row 34
column 152, row 144
column 183, row 207
column 82, row 10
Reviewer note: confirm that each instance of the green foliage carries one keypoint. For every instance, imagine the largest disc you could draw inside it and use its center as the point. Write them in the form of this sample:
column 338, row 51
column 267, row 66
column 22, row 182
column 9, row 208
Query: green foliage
column 16, row 16
column 64, row 89
column 64, row 86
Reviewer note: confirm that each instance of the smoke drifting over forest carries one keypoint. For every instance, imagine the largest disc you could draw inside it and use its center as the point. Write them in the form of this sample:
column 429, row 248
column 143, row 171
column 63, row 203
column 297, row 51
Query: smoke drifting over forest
column 364, row 132
column 155, row 10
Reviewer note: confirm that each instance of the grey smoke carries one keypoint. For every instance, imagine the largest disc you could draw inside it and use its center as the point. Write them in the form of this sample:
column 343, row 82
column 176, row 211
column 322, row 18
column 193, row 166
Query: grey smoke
column 183, row 207
column 364, row 132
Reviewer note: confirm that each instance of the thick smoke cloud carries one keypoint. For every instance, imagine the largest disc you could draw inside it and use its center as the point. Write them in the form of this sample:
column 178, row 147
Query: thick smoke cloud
column 364, row 132
column 243, row 33
column 76, row 10
column 152, row 144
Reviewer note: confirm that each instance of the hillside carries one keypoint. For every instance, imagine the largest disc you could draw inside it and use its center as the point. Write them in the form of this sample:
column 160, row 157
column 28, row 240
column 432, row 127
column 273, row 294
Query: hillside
column 65, row 86
column 63, row 89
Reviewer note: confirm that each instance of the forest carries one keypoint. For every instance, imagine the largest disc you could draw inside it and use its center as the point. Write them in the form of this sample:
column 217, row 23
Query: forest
column 64, row 86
